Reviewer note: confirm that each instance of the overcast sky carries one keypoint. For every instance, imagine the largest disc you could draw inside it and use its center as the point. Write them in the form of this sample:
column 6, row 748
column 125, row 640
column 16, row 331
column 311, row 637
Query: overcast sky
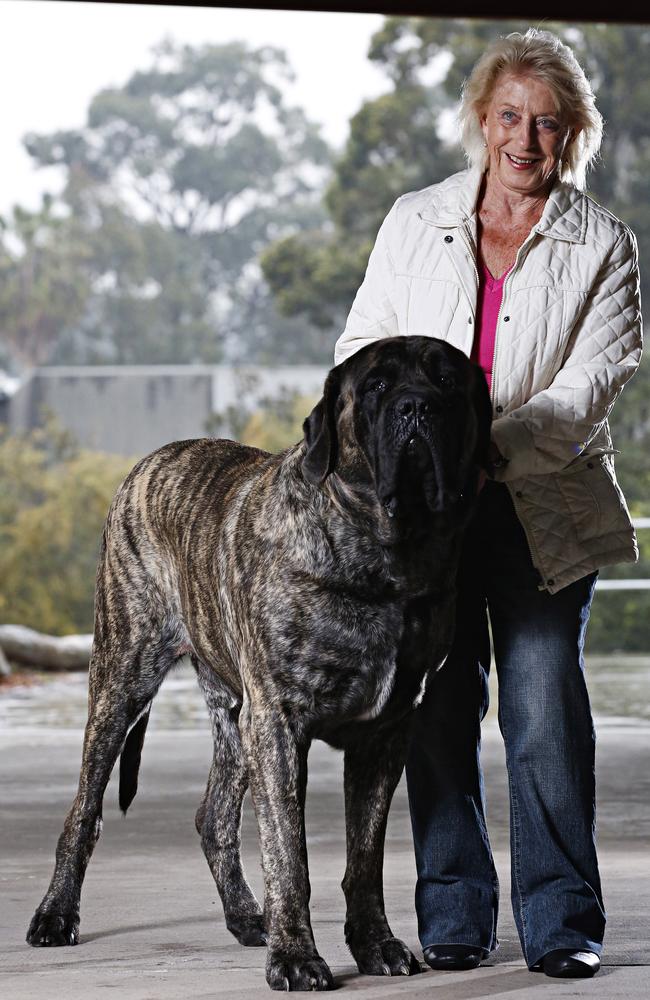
column 55, row 55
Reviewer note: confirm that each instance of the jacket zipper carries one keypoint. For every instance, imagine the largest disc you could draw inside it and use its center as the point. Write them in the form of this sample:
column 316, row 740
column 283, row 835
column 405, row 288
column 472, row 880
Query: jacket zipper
column 520, row 256
column 463, row 230
column 518, row 260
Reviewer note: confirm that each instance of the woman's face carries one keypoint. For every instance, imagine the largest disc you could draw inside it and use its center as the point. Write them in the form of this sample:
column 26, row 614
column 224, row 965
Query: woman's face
column 524, row 133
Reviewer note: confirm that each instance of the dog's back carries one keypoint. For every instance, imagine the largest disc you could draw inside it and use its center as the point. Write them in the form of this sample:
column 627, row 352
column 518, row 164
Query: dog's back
column 157, row 553
column 170, row 493
column 154, row 560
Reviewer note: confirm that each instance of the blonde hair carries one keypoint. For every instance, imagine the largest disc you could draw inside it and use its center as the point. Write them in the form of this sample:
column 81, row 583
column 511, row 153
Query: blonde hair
column 544, row 56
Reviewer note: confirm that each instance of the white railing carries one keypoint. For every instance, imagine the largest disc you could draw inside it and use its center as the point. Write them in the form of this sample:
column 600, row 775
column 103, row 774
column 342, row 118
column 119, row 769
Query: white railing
column 638, row 522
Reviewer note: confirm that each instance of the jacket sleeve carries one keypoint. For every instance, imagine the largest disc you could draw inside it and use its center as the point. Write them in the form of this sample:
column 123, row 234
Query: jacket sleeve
column 557, row 424
column 373, row 313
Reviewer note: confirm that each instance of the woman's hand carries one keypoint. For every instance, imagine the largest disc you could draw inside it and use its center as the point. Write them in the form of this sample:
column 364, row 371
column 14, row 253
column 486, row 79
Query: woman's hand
column 495, row 458
column 494, row 455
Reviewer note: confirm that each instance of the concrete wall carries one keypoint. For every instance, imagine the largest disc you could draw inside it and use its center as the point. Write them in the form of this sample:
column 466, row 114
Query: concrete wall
column 133, row 410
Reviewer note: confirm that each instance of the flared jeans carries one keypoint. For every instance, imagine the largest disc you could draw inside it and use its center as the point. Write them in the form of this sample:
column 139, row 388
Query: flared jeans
column 545, row 720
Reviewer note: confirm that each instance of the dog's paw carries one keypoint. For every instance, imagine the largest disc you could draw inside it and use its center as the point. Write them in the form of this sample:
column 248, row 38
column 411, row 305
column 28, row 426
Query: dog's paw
column 51, row 930
column 296, row 972
column 248, row 930
column 386, row 958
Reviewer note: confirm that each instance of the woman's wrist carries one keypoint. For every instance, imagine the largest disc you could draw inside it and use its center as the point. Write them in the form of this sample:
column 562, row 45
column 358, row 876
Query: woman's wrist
column 497, row 460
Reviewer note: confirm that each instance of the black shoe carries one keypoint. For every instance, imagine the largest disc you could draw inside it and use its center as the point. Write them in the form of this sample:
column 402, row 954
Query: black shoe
column 567, row 964
column 452, row 957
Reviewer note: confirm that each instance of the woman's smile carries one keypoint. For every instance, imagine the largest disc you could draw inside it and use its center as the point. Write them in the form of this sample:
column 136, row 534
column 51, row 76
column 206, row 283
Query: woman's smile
column 519, row 163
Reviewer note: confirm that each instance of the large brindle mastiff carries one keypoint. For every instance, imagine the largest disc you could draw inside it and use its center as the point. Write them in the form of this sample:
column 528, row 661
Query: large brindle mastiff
column 313, row 591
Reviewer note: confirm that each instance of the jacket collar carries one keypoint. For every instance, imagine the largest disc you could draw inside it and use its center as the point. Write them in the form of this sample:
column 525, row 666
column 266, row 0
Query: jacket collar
column 454, row 203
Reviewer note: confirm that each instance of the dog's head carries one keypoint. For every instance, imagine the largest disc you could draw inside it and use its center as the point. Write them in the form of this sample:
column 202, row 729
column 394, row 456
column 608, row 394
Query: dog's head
column 408, row 416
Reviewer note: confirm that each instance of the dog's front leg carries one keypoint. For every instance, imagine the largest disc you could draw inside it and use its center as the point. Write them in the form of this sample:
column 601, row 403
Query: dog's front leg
column 372, row 770
column 277, row 768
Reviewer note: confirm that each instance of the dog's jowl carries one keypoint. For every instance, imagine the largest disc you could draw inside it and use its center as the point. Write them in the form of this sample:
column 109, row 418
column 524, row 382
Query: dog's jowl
column 313, row 590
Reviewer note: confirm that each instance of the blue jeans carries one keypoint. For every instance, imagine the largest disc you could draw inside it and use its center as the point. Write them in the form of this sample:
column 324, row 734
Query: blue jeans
column 546, row 723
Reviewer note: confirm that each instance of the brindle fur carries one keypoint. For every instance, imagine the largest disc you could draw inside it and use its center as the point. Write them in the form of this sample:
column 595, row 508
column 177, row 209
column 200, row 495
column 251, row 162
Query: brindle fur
column 312, row 590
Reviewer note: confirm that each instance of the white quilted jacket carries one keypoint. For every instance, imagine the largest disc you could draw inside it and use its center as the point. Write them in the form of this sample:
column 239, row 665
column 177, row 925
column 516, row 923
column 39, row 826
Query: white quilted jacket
column 568, row 339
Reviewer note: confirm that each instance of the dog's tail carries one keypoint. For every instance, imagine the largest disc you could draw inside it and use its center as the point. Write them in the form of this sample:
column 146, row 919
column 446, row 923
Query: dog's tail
column 130, row 761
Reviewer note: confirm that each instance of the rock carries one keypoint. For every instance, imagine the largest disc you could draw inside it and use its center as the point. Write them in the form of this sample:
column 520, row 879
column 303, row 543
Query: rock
column 47, row 652
column 5, row 669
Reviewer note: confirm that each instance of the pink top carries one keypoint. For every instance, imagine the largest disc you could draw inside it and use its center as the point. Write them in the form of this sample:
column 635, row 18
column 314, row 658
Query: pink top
column 488, row 303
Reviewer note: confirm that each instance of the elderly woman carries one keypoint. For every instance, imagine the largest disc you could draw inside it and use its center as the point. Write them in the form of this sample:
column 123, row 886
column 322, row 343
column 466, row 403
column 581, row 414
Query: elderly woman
column 512, row 263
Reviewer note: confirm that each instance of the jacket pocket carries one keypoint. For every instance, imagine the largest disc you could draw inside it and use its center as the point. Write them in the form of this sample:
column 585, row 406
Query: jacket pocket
column 432, row 307
column 593, row 498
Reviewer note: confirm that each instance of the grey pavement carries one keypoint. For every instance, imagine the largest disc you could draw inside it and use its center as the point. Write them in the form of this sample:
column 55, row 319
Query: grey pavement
column 151, row 921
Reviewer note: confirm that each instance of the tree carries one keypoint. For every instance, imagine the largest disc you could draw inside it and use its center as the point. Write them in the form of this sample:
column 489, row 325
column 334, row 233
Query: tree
column 184, row 143
column 173, row 186
column 393, row 147
column 44, row 281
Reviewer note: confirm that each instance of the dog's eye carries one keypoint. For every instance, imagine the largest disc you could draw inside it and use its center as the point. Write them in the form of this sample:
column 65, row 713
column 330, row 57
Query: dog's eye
column 375, row 385
column 446, row 381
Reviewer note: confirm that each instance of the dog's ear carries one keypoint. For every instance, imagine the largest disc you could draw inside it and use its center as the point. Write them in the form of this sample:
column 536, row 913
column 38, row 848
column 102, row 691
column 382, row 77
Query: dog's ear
column 320, row 433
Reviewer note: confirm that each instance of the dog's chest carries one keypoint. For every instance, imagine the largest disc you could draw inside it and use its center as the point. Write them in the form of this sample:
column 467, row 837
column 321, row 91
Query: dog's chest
column 355, row 661
column 415, row 649
column 380, row 682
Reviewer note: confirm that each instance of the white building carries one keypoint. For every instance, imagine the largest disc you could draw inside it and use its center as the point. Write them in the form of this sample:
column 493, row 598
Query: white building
column 131, row 410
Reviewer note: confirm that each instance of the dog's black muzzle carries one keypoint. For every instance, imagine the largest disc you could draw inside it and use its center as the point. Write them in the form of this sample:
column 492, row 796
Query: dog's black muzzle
column 409, row 460
column 415, row 409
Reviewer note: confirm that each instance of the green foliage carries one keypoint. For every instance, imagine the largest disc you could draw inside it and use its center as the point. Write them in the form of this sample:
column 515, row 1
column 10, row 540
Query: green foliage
column 407, row 46
column 393, row 147
column 273, row 423
column 149, row 302
column 315, row 276
column 630, row 424
column 620, row 619
column 52, row 509
column 277, row 424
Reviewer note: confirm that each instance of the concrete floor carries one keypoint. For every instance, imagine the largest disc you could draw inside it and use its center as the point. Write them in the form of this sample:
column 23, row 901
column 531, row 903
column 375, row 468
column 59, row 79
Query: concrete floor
column 152, row 926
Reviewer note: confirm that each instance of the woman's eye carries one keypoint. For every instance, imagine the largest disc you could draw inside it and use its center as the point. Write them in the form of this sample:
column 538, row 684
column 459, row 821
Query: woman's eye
column 547, row 123
column 508, row 116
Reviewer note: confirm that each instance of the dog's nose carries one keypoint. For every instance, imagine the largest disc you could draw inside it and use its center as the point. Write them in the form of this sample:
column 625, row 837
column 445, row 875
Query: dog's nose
column 414, row 405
